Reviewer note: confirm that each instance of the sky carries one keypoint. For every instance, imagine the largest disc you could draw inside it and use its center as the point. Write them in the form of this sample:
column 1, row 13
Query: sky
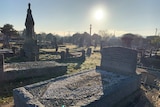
column 66, row 17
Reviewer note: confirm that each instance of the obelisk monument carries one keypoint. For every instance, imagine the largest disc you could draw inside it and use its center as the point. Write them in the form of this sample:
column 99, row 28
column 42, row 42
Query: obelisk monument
column 30, row 45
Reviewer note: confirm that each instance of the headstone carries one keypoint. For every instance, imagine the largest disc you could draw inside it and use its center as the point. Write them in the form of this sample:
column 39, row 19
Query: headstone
column 6, row 41
column 89, row 51
column 119, row 59
column 30, row 45
column 91, row 88
column 29, row 23
column 63, row 56
column 148, row 79
column 83, row 55
column 67, row 53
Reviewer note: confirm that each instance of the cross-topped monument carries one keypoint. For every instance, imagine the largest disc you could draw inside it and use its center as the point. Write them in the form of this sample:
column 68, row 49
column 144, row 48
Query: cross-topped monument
column 30, row 45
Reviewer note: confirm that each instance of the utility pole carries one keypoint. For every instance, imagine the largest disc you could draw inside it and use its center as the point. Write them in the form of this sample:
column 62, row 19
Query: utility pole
column 156, row 32
column 90, row 29
column 114, row 32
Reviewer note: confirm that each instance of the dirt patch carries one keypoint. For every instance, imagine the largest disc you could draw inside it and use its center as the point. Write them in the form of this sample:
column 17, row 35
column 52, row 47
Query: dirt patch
column 10, row 104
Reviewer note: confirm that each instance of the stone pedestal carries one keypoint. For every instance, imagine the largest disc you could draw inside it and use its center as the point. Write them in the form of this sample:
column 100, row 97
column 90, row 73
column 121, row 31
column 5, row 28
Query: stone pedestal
column 31, row 50
column 83, row 57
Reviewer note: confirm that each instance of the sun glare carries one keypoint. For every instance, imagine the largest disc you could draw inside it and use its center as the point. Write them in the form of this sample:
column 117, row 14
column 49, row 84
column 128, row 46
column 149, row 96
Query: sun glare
column 99, row 14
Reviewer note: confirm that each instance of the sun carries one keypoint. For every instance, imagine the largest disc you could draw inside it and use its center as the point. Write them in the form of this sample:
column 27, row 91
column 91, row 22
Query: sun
column 99, row 14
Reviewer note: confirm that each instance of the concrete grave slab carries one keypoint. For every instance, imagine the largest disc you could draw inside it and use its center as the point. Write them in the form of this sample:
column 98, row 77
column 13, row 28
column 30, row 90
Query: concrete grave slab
column 114, row 81
column 87, row 88
column 23, row 70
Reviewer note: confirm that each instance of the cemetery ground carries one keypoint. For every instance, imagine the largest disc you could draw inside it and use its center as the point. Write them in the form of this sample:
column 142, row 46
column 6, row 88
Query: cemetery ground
column 150, row 96
column 6, row 97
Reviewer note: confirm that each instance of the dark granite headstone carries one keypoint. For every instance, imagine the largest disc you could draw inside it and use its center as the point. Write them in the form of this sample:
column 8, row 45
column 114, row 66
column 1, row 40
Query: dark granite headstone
column 119, row 59
column 89, row 51
column 67, row 53
column 83, row 55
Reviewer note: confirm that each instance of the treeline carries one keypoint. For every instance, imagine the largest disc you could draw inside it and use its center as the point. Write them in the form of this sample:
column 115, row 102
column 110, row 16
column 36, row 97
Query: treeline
column 8, row 33
column 86, row 40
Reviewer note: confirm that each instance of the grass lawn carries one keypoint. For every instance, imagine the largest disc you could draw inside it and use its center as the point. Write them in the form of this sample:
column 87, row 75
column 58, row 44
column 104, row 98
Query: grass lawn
column 90, row 63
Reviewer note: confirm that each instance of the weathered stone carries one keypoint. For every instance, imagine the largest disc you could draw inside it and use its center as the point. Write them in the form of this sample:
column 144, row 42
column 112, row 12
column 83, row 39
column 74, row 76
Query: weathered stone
column 67, row 53
column 119, row 59
column 30, row 47
column 27, row 99
column 87, row 88
column 6, row 52
column 148, row 79
column 23, row 70
column 63, row 55
column 89, row 51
